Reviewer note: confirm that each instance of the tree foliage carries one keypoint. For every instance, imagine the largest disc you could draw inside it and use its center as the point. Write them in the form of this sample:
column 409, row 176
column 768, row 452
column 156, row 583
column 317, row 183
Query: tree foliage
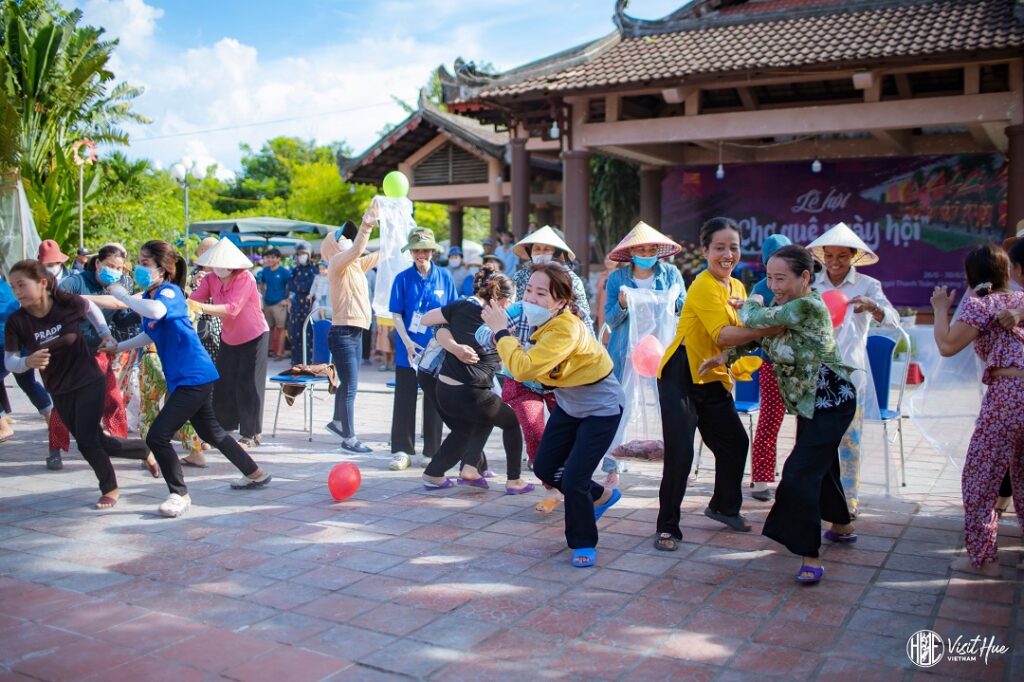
column 614, row 199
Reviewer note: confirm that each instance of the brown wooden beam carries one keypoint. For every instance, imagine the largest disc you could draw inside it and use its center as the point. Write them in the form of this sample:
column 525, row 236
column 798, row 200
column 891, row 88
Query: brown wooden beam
column 653, row 155
column 898, row 140
column 816, row 120
column 748, row 97
column 730, row 153
column 903, row 87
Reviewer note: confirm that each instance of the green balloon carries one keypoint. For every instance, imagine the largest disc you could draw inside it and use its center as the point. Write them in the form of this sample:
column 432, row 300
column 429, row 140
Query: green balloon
column 396, row 184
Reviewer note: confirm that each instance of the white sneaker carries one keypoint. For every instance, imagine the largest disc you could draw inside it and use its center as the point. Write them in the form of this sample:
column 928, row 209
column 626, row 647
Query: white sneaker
column 245, row 483
column 175, row 505
column 400, row 462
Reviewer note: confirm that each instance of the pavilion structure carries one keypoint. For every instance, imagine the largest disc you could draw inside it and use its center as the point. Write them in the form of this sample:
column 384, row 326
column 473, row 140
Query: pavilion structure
column 761, row 82
column 458, row 161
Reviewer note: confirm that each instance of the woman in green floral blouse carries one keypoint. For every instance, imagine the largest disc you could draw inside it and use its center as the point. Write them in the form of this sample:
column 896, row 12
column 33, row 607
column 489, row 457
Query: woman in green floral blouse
column 815, row 385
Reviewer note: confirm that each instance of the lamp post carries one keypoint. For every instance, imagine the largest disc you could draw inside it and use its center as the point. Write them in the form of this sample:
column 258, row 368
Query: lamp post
column 184, row 171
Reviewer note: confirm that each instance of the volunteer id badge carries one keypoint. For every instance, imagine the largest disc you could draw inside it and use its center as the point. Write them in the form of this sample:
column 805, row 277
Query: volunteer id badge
column 416, row 324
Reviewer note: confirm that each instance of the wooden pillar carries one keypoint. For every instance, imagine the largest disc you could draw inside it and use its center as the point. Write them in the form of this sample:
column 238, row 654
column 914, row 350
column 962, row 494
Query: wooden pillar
column 576, row 203
column 499, row 218
column 544, row 214
column 650, row 195
column 1015, row 179
column 520, row 187
column 454, row 226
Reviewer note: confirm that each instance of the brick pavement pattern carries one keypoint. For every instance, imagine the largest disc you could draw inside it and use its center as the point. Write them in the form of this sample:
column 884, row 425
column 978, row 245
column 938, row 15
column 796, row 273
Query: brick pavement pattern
column 398, row 583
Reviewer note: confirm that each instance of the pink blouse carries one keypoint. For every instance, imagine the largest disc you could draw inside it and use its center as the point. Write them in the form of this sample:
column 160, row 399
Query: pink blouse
column 996, row 347
column 244, row 321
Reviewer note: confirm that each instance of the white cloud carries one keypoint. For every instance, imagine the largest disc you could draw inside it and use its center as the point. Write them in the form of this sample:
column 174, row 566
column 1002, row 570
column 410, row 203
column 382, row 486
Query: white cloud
column 133, row 22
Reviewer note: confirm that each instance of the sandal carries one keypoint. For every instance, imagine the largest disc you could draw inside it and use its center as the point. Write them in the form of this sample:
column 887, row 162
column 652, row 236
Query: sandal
column 441, row 486
column 816, row 573
column 153, row 468
column 475, row 482
column 106, row 502
column 736, row 522
column 602, row 508
column 584, row 558
column 666, row 543
column 842, row 538
column 519, row 491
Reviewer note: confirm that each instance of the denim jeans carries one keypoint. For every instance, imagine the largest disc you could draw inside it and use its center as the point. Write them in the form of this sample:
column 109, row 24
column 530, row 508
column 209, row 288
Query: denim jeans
column 346, row 344
column 30, row 385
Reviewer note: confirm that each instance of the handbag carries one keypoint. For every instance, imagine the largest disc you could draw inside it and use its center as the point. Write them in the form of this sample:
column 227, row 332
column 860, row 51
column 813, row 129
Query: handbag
column 431, row 358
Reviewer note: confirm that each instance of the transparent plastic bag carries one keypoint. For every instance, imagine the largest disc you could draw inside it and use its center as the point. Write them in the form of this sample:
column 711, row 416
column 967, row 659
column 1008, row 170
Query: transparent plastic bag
column 651, row 313
column 394, row 218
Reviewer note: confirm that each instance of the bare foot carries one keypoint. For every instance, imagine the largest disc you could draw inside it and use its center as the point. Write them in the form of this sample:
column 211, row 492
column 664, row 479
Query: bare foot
column 605, row 496
column 989, row 569
column 516, row 484
column 806, row 561
column 612, row 479
column 842, row 528
column 5, row 429
column 195, row 459
column 469, row 473
column 433, row 480
column 546, row 506
column 109, row 499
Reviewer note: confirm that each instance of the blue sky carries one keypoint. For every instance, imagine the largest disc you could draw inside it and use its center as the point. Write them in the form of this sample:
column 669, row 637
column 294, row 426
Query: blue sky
column 320, row 69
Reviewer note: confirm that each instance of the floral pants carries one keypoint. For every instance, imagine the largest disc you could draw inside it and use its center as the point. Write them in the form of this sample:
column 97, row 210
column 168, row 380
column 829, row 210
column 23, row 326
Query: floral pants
column 769, row 421
column 849, row 459
column 529, row 409
column 997, row 444
column 152, row 389
column 115, row 420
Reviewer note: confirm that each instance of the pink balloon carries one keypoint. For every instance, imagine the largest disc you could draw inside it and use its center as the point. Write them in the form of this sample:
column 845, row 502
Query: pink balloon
column 647, row 356
column 344, row 481
column 836, row 303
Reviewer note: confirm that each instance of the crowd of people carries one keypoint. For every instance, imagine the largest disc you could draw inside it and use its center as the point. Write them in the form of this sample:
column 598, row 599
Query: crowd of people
column 508, row 339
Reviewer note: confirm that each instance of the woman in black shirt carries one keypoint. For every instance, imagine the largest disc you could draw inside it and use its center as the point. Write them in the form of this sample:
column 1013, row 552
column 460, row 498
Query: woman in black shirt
column 464, row 390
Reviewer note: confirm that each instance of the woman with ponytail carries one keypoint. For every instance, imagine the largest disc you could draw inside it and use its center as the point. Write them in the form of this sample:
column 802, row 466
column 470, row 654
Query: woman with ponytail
column 48, row 326
column 188, row 370
column 464, row 389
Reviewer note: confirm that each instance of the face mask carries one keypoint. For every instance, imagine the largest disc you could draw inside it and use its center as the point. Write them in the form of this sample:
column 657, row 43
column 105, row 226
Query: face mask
column 144, row 277
column 223, row 273
column 455, row 261
column 541, row 259
column 645, row 262
column 53, row 269
column 108, row 276
column 344, row 244
column 536, row 315
column 302, row 259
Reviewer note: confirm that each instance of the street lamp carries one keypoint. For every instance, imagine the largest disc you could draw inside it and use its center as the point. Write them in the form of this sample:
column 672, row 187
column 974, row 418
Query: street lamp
column 184, row 171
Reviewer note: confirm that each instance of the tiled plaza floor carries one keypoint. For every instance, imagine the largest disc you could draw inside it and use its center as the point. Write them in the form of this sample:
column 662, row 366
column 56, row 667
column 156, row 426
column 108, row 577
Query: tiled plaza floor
column 284, row 584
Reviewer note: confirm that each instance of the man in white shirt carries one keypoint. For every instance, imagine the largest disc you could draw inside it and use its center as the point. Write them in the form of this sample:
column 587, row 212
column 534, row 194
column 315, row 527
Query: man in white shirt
column 840, row 250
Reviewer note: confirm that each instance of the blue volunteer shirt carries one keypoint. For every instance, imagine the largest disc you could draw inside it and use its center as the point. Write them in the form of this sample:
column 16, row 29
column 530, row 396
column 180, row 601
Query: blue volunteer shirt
column 185, row 361
column 276, row 282
column 412, row 293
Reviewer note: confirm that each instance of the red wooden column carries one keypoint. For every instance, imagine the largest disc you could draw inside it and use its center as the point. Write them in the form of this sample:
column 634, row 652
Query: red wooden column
column 520, row 187
column 454, row 226
column 650, row 195
column 576, row 203
column 1015, row 179
column 499, row 218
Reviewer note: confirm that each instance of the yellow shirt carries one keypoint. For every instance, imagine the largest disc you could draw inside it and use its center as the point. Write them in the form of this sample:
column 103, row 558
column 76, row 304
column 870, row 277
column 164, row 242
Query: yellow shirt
column 564, row 354
column 705, row 312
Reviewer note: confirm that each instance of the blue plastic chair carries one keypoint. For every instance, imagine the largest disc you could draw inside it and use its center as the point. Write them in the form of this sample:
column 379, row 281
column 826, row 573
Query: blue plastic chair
column 321, row 355
column 881, row 351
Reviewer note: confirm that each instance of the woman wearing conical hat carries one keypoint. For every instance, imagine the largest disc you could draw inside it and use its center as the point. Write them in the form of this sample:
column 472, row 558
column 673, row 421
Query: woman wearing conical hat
column 645, row 249
column 842, row 252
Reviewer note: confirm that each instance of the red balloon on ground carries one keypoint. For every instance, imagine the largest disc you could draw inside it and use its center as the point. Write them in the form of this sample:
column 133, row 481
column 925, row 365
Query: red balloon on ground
column 836, row 303
column 344, row 480
column 647, row 356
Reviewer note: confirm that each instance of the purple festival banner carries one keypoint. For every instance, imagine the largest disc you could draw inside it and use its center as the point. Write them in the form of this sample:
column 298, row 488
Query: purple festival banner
column 921, row 215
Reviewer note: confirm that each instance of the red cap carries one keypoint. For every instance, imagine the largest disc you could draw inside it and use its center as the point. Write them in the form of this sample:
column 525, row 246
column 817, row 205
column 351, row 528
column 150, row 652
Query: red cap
column 49, row 252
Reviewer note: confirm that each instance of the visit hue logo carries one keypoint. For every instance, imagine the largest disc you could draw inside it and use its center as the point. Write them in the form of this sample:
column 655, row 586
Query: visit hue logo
column 925, row 648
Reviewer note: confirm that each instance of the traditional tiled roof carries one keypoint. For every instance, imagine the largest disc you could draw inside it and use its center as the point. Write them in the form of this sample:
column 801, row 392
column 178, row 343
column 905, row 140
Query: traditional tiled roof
column 710, row 39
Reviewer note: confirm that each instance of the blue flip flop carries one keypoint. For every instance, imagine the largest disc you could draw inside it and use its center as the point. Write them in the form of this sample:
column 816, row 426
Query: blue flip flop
column 584, row 558
column 816, row 574
column 447, row 484
column 601, row 509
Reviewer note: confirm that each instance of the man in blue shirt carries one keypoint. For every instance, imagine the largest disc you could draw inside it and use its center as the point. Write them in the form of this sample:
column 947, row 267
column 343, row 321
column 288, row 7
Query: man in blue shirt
column 421, row 288
column 273, row 280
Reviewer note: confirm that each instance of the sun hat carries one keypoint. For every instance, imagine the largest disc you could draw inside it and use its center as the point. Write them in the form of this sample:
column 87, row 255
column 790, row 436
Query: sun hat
column 82, row 251
column 475, row 260
column 421, row 238
column 224, row 255
column 491, row 258
column 643, row 234
column 454, row 251
column 49, row 252
column 545, row 235
column 842, row 235
column 1007, row 243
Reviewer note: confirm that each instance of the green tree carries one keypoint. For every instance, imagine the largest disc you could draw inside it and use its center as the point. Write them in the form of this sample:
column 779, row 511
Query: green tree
column 319, row 194
column 614, row 199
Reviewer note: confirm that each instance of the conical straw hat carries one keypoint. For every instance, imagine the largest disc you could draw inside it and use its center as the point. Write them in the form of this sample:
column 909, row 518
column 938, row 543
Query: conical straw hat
column 545, row 235
column 641, row 235
column 224, row 255
column 842, row 235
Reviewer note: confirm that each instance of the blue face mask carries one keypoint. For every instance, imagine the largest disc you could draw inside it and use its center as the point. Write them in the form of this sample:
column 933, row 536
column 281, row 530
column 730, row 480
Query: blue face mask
column 143, row 276
column 645, row 263
column 108, row 276
column 536, row 315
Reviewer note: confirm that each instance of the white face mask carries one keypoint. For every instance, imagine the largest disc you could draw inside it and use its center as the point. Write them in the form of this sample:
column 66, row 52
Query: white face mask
column 302, row 259
column 455, row 261
column 223, row 273
column 53, row 269
column 542, row 258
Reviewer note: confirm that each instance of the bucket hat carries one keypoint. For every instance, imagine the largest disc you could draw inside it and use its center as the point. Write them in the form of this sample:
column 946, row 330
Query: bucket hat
column 49, row 252
column 421, row 238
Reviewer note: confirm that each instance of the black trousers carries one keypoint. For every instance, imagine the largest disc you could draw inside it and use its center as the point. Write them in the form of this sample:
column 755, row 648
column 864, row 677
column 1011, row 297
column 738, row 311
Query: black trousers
column 81, row 411
column 403, row 416
column 428, row 383
column 191, row 404
column 471, row 413
column 238, row 394
column 686, row 406
column 567, row 456
column 811, row 489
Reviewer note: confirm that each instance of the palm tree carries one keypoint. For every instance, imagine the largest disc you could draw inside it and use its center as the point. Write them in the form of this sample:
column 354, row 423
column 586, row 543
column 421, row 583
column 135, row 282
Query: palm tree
column 125, row 176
